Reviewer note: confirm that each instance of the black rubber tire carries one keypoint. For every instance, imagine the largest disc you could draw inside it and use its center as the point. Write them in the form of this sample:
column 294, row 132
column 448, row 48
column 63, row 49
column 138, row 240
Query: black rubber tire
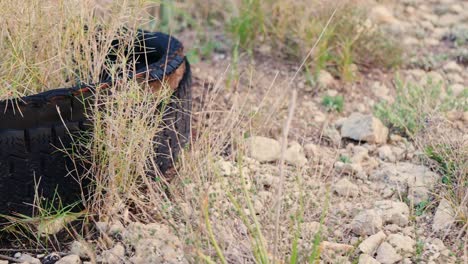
column 30, row 139
column 177, row 124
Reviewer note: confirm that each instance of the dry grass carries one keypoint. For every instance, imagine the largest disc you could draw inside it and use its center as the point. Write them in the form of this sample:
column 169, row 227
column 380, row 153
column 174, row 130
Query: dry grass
column 57, row 43
column 446, row 149
column 288, row 28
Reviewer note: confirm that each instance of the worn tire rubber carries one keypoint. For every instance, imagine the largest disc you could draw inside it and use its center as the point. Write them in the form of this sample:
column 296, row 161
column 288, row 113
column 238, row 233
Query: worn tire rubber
column 34, row 128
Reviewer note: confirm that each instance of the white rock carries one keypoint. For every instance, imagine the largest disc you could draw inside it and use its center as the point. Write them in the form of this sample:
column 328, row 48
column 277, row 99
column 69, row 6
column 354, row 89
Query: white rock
column 70, row 259
column 381, row 90
column 28, row 258
column 3, row 261
column 332, row 92
column 263, row 149
column 319, row 117
column 386, row 153
column 225, row 167
column 311, row 150
column 411, row 41
column 405, row 245
column 457, row 89
column 392, row 228
column 454, row 78
column 325, row 79
column 332, row 135
column 381, row 15
column 370, row 244
column 116, row 228
column 113, row 256
column 267, row 180
column 444, row 216
column 420, row 183
column 81, row 249
column 350, row 169
column 295, row 155
column 366, row 259
column 360, row 154
column 392, row 212
column 415, row 180
column 448, row 20
column 367, row 222
column 386, row 254
column 452, row 66
column 153, row 243
column 346, row 188
column 336, row 248
column 364, row 128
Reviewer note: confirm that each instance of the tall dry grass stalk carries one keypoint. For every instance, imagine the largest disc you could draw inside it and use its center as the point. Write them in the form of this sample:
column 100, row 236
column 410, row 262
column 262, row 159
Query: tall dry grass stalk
column 58, row 43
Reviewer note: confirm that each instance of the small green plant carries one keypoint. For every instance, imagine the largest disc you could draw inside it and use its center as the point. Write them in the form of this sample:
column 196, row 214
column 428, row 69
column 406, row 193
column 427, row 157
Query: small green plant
column 421, row 207
column 333, row 103
column 248, row 25
column 203, row 51
column 446, row 166
column 345, row 159
column 419, row 248
column 414, row 104
column 50, row 218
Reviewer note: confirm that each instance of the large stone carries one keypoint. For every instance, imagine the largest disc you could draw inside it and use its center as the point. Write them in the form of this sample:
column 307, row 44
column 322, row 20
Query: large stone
column 346, row 188
column 364, row 128
column 386, row 254
column 405, row 178
column 263, row 149
column 444, row 216
column 367, row 222
column 392, row 212
column 405, row 245
column 370, row 244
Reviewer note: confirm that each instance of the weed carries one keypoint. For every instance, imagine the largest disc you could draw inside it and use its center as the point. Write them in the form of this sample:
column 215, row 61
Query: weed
column 348, row 41
column 419, row 248
column 421, row 208
column 345, row 159
column 204, row 51
column 414, row 104
column 248, row 26
column 333, row 103
column 51, row 218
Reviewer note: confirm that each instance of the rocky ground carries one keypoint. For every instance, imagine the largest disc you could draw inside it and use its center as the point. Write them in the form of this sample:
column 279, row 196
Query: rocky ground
column 370, row 178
